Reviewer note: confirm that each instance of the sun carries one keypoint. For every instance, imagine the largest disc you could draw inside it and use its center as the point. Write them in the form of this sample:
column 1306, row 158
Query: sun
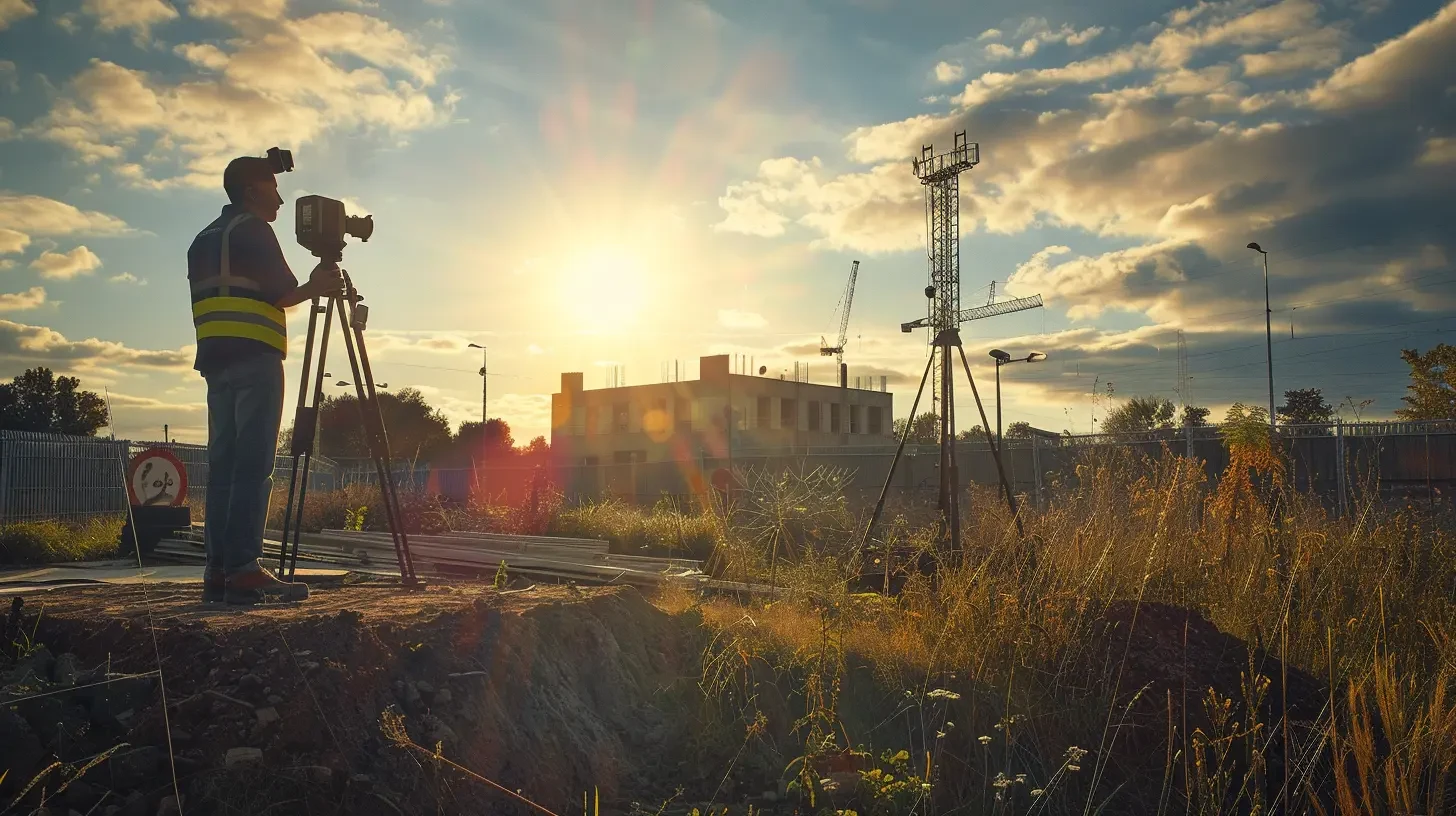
column 605, row 289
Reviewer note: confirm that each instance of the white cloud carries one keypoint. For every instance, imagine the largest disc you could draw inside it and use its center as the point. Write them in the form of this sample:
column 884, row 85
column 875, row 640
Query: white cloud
column 9, row 77
column 997, row 51
column 66, row 265
column 235, row 9
column 139, row 15
column 1439, row 150
column 1401, row 65
column 535, row 349
column 989, row 34
column 127, row 277
column 949, row 71
column 736, row 319
column 38, row 344
column 1314, row 50
column 14, row 10
column 12, row 241
column 32, row 298
column 280, row 79
column 7, row 129
column 38, row 215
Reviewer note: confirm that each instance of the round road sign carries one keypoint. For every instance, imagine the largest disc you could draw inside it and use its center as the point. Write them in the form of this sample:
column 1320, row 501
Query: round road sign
column 156, row 478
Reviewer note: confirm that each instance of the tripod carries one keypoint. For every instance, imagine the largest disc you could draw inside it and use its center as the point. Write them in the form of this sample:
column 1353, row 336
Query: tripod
column 949, row 502
column 353, row 315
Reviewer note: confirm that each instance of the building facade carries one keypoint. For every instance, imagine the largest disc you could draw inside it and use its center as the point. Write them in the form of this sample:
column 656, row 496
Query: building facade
column 713, row 417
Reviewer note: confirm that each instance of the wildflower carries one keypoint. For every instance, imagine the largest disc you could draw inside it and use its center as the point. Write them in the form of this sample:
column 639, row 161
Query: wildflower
column 946, row 693
column 1074, row 768
column 1037, row 791
column 985, row 740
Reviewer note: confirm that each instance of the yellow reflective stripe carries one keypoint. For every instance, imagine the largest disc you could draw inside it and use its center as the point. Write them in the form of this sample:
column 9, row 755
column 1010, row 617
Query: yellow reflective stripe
column 239, row 304
column 250, row 331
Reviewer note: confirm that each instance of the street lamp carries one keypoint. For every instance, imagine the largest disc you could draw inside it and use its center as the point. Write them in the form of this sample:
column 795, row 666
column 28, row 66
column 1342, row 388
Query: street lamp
column 1002, row 358
column 1268, row 331
column 346, row 383
column 484, row 384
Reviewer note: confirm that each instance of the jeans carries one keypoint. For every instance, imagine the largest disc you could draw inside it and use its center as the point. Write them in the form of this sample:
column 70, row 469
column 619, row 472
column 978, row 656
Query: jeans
column 244, row 411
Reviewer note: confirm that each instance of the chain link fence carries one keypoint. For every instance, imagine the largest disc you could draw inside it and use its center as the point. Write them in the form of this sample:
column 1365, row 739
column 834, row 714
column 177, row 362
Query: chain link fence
column 52, row 476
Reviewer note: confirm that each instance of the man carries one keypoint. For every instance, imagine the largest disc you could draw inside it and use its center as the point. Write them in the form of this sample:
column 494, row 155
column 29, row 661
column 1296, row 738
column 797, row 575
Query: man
column 240, row 286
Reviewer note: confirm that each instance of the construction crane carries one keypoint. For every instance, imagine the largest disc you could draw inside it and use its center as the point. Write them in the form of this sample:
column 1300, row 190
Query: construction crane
column 837, row 351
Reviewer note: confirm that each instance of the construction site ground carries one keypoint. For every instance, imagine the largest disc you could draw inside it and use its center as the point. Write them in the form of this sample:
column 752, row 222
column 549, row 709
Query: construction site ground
column 557, row 692
column 552, row 690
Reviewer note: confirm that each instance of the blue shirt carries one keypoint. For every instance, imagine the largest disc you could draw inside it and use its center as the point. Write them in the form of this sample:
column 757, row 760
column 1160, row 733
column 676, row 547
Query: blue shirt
column 253, row 253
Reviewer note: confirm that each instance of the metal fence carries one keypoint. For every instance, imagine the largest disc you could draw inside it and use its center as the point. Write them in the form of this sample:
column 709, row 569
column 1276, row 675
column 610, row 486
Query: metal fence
column 51, row 476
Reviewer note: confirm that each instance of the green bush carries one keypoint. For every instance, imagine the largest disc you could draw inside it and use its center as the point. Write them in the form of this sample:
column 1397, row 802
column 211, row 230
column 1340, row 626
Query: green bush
column 47, row 542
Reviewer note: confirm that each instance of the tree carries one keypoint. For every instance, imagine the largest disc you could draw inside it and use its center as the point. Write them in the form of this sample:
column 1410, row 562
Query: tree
column 1139, row 415
column 40, row 401
column 416, row 430
column 924, row 430
column 1018, row 430
column 1305, row 406
column 1194, row 416
column 477, row 442
column 972, row 434
column 539, row 447
column 1433, row 384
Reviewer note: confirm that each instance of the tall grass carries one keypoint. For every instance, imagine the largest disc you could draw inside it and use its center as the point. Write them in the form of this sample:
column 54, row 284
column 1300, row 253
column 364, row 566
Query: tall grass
column 48, row 542
column 1020, row 629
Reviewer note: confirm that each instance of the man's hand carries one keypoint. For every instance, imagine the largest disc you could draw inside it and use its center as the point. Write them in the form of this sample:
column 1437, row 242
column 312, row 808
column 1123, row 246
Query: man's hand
column 326, row 279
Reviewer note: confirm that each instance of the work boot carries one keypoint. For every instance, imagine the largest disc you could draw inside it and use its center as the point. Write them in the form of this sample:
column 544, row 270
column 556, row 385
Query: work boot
column 214, row 588
column 257, row 586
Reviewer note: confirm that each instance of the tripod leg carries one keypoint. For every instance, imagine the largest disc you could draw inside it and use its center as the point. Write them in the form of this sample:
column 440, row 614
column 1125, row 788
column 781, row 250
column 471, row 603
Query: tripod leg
column 995, row 449
column 952, row 472
column 904, row 437
column 373, row 423
column 305, row 428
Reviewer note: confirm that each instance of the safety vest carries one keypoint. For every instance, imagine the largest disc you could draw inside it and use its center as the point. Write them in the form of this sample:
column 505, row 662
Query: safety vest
column 228, row 305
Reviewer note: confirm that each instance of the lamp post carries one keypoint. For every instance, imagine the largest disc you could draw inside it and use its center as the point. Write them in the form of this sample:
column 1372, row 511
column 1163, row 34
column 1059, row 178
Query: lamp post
column 1268, row 331
column 484, row 384
column 1002, row 358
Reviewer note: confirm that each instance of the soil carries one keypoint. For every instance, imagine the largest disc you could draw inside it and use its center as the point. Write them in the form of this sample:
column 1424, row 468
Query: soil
column 552, row 691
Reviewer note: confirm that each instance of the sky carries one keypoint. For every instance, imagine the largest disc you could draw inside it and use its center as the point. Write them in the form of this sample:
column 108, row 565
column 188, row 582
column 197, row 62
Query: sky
column 631, row 185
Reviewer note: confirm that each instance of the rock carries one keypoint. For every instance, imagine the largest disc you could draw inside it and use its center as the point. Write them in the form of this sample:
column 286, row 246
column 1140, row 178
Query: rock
column 267, row 715
column 169, row 807
column 136, row 805
column 362, row 780
column 319, row 774
column 436, row 730
column 308, row 666
column 770, row 796
column 412, row 699
column 81, row 794
column 180, row 737
column 249, row 682
column 424, row 688
column 135, row 768
column 274, row 699
column 21, row 750
column 65, row 672
column 443, row 697
column 37, row 661
column 241, row 757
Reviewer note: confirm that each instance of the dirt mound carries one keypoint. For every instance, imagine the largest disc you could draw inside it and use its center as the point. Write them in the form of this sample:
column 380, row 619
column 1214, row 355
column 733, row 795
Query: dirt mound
column 553, row 691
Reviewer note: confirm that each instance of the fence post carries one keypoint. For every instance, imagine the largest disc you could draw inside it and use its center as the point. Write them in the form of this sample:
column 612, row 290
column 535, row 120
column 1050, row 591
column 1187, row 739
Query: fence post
column 1340, row 465
column 1036, row 469
column 4, row 481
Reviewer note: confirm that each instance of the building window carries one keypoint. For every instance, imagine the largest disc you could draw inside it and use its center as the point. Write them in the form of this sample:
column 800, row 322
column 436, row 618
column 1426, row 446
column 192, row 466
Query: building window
column 683, row 414
column 854, row 424
column 834, row 417
column 619, row 417
column 789, row 415
column 814, row 417
column 628, row 457
column 592, row 420
column 589, row 461
column 877, row 420
column 765, row 411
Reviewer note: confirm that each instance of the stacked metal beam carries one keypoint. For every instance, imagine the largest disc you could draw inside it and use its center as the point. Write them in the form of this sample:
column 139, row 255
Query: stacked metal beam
column 455, row 554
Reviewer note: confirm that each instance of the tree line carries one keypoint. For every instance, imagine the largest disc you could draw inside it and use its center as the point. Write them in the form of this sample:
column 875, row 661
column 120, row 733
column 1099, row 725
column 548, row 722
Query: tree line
column 38, row 400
